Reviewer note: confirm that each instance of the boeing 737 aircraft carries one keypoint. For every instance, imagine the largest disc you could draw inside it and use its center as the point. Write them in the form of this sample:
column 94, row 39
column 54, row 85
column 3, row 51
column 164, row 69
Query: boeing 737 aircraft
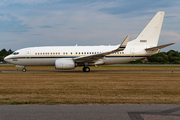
column 69, row 57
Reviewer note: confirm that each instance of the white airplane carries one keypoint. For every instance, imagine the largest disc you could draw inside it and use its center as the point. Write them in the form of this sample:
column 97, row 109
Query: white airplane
column 69, row 57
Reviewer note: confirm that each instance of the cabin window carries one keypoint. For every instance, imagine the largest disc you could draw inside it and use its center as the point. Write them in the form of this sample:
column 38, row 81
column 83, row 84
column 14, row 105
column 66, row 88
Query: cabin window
column 79, row 53
column 35, row 53
column 92, row 52
column 89, row 52
column 122, row 52
column 76, row 52
column 84, row 52
column 41, row 53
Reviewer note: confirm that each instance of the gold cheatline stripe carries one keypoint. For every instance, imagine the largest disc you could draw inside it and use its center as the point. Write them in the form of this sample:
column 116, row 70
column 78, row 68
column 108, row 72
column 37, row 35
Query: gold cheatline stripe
column 123, row 46
column 83, row 55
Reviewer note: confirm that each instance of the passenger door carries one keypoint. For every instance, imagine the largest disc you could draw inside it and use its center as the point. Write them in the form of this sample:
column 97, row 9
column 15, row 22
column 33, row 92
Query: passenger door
column 28, row 54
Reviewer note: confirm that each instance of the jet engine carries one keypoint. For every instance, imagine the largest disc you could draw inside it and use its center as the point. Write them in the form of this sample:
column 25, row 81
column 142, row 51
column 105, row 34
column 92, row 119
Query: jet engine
column 65, row 64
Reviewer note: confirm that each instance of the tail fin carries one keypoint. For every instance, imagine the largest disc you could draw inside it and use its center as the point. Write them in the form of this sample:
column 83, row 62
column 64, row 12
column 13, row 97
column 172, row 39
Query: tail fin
column 150, row 35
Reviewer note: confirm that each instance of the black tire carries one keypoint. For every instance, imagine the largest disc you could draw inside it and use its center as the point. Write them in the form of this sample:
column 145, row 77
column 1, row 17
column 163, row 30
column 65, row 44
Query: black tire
column 86, row 69
column 83, row 69
column 24, row 69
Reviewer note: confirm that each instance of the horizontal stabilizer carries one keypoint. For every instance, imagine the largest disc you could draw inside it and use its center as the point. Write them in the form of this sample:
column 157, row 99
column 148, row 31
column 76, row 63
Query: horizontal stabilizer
column 159, row 47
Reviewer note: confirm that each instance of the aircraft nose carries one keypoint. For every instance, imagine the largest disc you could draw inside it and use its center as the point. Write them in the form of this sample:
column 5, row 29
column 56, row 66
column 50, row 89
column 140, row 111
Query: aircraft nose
column 6, row 58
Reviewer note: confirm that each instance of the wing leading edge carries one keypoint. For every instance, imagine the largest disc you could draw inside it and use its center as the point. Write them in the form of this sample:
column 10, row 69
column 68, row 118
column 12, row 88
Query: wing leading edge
column 95, row 57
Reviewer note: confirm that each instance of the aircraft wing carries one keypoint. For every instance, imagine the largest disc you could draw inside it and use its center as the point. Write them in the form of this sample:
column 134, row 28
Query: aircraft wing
column 158, row 47
column 95, row 57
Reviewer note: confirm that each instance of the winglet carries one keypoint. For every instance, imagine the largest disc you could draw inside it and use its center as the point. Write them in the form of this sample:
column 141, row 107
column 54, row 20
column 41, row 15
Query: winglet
column 124, row 43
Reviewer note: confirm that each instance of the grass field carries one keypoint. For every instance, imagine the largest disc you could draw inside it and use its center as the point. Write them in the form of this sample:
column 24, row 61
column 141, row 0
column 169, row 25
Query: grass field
column 90, row 88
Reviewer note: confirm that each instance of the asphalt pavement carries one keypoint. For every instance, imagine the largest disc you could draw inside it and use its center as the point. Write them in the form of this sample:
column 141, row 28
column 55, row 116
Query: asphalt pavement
column 90, row 112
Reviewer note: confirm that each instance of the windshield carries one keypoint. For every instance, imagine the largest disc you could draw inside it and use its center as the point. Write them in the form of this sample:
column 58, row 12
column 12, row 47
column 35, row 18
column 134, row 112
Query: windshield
column 15, row 53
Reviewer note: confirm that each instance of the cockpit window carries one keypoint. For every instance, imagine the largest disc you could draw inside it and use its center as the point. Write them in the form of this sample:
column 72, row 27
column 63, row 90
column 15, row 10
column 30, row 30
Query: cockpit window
column 15, row 53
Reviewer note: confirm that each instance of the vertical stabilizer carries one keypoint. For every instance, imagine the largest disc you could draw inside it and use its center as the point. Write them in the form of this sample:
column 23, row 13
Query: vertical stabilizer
column 150, row 35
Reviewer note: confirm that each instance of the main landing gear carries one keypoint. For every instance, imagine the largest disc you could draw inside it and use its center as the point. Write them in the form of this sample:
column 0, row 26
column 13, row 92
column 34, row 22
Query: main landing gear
column 86, row 69
column 24, row 69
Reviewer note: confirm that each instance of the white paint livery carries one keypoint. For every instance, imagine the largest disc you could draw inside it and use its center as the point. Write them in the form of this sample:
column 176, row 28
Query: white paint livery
column 69, row 57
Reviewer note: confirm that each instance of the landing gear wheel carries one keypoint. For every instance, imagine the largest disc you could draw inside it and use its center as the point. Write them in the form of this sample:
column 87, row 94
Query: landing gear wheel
column 24, row 69
column 86, row 69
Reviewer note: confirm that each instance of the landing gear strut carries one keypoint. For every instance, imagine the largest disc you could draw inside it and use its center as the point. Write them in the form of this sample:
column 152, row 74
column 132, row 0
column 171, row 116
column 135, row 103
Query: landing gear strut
column 24, row 69
column 86, row 69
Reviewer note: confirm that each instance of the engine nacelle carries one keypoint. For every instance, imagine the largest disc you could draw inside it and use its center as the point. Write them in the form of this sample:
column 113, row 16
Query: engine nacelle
column 65, row 64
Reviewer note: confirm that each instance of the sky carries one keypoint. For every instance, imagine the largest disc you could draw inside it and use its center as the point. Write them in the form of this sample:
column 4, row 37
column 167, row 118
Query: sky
column 30, row 23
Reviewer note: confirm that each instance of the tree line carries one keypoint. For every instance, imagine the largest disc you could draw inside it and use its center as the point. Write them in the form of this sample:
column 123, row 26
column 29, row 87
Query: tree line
column 170, row 57
column 4, row 53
